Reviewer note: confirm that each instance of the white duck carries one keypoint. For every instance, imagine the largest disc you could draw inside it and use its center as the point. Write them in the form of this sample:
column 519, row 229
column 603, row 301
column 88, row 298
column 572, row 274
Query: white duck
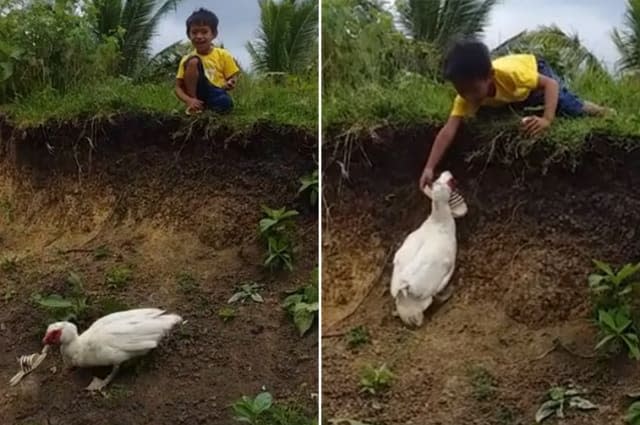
column 111, row 340
column 424, row 263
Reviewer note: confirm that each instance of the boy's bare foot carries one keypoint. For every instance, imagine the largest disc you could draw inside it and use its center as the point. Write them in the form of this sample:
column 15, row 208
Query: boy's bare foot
column 596, row 110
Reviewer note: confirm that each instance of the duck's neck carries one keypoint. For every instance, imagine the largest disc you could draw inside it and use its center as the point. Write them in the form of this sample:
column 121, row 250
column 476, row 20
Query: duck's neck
column 440, row 211
column 70, row 349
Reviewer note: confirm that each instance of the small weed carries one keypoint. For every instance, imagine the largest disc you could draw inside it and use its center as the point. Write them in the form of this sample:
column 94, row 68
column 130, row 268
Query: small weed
column 633, row 413
column 249, row 410
column 611, row 289
column 302, row 305
column 559, row 398
column 618, row 332
column 118, row 277
column 101, row 253
column 483, row 383
column 9, row 264
column 227, row 314
column 247, row 291
column 357, row 337
column 186, row 283
column 275, row 229
column 309, row 184
column 73, row 307
column 7, row 209
column 506, row 416
column 375, row 380
column 9, row 294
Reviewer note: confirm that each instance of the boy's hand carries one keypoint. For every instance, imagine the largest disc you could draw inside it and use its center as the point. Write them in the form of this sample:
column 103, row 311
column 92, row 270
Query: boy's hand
column 427, row 178
column 534, row 125
column 230, row 84
column 195, row 104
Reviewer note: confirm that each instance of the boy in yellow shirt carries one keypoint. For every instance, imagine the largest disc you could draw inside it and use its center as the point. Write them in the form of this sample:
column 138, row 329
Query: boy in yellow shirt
column 206, row 74
column 521, row 80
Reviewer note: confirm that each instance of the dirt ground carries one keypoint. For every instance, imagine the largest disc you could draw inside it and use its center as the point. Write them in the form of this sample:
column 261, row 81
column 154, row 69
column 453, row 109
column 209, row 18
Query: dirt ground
column 525, row 251
column 162, row 209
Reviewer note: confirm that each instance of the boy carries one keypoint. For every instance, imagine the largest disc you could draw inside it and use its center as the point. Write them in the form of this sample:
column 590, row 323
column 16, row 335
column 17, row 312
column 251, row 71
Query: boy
column 523, row 80
column 206, row 74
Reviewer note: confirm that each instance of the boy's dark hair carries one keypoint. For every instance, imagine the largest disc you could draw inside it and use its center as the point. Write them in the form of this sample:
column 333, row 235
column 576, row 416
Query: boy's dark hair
column 203, row 16
column 467, row 60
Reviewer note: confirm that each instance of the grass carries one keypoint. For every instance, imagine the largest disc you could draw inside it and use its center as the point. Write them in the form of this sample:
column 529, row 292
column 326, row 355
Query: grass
column 293, row 103
column 414, row 100
column 482, row 382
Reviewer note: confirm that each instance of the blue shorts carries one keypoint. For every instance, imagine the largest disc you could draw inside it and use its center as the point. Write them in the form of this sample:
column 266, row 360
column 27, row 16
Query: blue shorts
column 214, row 98
column 568, row 103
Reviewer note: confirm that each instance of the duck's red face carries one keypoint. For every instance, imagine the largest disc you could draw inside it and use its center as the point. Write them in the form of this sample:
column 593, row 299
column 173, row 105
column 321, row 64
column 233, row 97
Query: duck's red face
column 452, row 183
column 52, row 337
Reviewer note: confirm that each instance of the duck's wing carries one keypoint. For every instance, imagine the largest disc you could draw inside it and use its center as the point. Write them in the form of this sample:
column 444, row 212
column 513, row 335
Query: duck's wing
column 123, row 316
column 430, row 274
column 403, row 258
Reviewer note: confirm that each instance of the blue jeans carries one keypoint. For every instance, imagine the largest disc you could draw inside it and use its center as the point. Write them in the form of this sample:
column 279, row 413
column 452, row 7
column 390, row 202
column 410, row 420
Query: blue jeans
column 568, row 103
column 214, row 98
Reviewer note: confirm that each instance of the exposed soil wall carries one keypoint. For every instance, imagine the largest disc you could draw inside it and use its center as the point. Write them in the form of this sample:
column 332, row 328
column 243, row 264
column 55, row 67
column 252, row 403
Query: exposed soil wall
column 163, row 204
column 525, row 251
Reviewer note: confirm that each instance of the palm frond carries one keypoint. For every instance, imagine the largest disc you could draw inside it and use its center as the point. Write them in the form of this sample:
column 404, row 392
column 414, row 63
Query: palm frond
column 627, row 40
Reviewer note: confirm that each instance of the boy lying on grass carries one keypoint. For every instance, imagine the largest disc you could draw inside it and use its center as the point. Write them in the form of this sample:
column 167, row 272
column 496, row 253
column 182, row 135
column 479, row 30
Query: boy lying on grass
column 518, row 80
column 206, row 74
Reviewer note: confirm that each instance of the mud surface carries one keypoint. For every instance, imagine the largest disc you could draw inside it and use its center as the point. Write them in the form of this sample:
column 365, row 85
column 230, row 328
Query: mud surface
column 525, row 251
column 182, row 216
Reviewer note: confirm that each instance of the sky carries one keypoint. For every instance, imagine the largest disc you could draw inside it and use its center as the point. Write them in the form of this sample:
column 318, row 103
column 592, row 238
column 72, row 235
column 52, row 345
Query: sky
column 592, row 20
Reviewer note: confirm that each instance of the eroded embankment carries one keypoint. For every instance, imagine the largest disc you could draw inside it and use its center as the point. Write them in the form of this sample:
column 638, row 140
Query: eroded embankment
column 525, row 251
column 181, row 214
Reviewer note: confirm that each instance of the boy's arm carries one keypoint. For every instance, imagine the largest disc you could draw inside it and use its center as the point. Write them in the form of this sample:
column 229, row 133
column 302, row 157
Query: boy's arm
column 440, row 145
column 534, row 125
column 231, row 71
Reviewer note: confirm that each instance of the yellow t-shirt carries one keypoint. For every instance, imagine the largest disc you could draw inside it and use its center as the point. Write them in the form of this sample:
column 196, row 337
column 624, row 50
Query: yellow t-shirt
column 219, row 65
column 515, row 77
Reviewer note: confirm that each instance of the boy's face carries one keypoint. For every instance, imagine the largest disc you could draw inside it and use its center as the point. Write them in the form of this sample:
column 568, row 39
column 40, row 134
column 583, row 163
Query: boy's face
column 201, row 36
column 475, row 91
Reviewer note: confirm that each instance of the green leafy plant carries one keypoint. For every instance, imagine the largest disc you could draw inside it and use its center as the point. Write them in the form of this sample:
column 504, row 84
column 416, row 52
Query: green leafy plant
column 375, row 380
column 249, row 410
column 72, row 307
column 118, row 277
column 309, row 184
column 247, row 291
column 227, row 314
column 633, row 413
column 275, row 229
column 613, row 289
column 560, row 398
column 618, row 331
column 302, row 305
column 357, row 337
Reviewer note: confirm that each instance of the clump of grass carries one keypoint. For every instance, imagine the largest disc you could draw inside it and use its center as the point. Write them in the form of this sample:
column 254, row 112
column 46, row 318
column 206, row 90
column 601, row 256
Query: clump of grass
column 357, row 337
column 309, row 187
column 187, row 283
column 6, row 207
column 227, row 314
column 102, row 252
column 483, row 383
column 561, row 398
column 118, row 277
column 9, row 264
column 374, row 380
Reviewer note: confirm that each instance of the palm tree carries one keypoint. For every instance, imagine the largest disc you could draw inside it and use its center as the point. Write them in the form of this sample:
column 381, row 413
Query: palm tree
column 287, row 37
column 441, row 21
column 564, row 53
column 134, row 23
column 627, row 40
